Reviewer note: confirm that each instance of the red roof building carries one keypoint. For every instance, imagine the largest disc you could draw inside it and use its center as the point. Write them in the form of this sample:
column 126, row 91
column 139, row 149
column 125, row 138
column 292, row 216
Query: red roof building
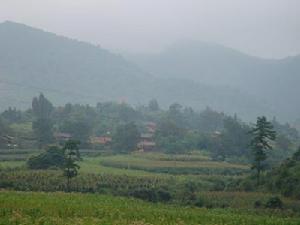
column 101, row 140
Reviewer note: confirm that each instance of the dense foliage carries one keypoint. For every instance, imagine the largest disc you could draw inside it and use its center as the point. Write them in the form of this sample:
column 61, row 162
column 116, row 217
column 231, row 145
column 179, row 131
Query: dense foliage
column 178, row 129
column 42, row 124
column 286, row 177
column 51, row 158
column 125, row 138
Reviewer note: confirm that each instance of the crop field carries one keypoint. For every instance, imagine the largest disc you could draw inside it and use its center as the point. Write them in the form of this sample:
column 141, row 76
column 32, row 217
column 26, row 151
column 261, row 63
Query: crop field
column 87, row 209
column 174, row 157
column 96, row 165
column 135, row 170
column 182, row 164
column 242, row 200
column 136, row 164
column 134, row 160
column 126, row 189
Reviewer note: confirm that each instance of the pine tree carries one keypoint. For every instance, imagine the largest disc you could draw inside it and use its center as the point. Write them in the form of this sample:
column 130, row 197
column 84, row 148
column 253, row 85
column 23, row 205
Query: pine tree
column 71, row 152
column 262, row 134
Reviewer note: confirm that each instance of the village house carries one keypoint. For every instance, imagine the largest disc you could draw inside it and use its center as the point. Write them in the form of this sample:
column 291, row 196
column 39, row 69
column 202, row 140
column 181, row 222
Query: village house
column 147, row 142
column 62, row 137
column 101, row 140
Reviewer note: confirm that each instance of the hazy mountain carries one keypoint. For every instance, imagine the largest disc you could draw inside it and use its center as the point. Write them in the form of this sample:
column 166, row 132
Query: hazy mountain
column 32, row 60
column 66, row 70
column 275, row 82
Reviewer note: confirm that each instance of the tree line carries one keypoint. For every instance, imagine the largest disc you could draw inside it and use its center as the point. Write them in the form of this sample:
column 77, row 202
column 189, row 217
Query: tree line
column 178, row 129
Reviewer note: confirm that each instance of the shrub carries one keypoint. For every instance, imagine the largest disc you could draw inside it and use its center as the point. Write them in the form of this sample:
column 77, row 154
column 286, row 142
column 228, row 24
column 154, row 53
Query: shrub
column 163, row 196
column 145, row 194
column 218, row 185
column 152, row 195
column 257, row 204
column 53, row 157
column 199, row 202
column 274, row 203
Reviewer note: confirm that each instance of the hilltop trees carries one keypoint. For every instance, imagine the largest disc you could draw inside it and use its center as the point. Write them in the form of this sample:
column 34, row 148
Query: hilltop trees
column 42, row 124
column 262, row 134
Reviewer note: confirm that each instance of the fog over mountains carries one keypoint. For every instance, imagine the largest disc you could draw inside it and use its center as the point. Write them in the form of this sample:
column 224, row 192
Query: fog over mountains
column 274, row 82
column 191, row 73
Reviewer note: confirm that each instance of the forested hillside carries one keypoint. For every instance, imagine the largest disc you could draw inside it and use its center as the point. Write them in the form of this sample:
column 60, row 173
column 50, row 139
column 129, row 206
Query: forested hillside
column 273, row 81
column 66, row 70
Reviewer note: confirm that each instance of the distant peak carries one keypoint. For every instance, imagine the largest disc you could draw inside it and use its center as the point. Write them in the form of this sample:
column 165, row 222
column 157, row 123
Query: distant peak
column 191, row 42
column 9, row 22
column 14, row 25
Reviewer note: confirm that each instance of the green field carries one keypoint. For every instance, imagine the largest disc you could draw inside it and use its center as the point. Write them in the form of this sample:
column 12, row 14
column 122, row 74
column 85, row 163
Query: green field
column 137, row 164
column 127, row 176
column 89, row 209
column 176, row 165
column 172, row 172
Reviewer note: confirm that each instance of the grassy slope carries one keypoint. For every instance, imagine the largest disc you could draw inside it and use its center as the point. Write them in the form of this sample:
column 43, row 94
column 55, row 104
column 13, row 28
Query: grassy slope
column 86, row 209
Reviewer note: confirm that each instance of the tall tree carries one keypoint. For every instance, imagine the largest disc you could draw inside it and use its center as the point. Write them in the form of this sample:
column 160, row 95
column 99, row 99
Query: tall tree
column 79, row 126
column 170, row 136
column 175, row 113
column 153, row 105
column 72, row 155
column 126, row 137
column 262, row 134
column 42, row 124
column 236, row 137
column 211, row 121
column 4, row 140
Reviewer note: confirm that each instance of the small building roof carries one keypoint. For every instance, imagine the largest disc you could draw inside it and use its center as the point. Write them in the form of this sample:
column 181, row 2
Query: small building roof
column 146, row 135
column 62, row 135
column 101, row 140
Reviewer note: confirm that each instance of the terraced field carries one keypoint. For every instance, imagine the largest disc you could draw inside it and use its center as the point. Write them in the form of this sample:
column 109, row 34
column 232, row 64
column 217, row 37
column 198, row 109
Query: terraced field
column 181, row 164
column 137, row 163
column 17, row 154
column 24, row 154
column 139, row 175
column 175, row 170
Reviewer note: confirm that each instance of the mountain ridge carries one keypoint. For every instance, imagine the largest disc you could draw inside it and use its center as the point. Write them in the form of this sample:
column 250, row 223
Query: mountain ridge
column 272, row 80
column 67, row 70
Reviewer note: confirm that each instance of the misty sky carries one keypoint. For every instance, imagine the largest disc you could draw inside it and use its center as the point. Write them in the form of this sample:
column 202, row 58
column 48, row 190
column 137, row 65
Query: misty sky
column 266, row 28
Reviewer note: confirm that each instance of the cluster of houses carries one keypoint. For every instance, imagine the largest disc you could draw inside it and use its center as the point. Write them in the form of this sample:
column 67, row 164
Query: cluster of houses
column 145, row 144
